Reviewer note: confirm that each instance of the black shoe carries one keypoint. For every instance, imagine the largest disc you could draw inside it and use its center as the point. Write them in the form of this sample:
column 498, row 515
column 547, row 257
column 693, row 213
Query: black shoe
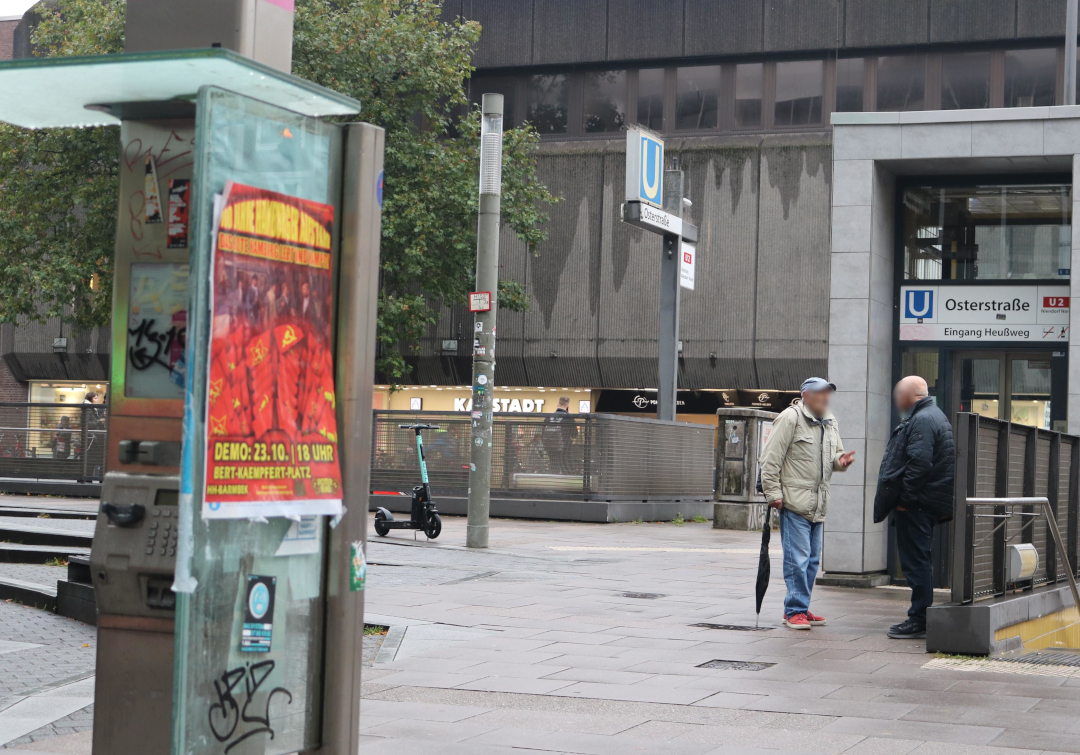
column 911, row 629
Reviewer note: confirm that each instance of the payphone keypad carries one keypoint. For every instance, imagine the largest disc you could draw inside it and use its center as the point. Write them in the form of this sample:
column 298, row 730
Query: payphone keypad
column 134, row 557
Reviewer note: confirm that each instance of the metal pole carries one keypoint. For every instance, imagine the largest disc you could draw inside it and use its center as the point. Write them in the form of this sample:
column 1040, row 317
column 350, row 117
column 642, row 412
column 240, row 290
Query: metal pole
column 668, row 377
column 1070, row 52
column 487, row 279
column 357, row 313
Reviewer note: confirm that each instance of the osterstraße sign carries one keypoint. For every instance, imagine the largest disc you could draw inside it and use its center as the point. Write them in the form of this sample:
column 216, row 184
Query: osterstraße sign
column 981, row 314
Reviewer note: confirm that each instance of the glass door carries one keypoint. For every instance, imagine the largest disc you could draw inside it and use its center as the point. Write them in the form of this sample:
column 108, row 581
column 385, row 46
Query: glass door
column 978, row 383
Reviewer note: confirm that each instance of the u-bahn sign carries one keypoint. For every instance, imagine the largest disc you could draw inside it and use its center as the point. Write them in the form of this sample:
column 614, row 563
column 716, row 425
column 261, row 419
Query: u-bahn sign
column 984, row 313
column 644, row 167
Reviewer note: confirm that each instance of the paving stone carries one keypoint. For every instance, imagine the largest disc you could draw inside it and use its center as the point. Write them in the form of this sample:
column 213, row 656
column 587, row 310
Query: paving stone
column 951, row 733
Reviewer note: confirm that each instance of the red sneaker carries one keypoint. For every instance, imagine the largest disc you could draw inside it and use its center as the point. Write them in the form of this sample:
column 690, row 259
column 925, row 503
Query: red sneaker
column 797, row 621
column 815, row 620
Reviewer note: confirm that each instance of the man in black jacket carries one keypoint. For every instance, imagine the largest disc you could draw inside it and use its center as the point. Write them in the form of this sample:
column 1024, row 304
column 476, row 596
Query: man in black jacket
column 915, row 484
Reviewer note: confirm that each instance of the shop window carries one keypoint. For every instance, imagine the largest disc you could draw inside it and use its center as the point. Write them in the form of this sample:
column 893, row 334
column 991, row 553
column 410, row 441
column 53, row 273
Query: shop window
column 697, row 97
column 995, row 232
column 799, row 87
column 1030, row 77
column 1030, row 400
column 749, row 79
column 901, row 82
column 850, row 79
column 650, row 98
column 965, row 80
column 605, row 101
column 504, row 85
column 549, row 102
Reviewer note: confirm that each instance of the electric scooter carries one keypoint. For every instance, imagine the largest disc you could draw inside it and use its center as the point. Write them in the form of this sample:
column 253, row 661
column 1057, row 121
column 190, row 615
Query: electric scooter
column 424, row 514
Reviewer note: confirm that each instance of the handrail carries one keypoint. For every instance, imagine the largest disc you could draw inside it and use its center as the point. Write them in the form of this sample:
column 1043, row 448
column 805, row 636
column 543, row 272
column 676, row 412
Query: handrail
column 1044, row 504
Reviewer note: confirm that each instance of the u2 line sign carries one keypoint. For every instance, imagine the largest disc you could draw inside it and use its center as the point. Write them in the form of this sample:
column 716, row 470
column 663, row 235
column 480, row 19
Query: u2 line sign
column 982, row 314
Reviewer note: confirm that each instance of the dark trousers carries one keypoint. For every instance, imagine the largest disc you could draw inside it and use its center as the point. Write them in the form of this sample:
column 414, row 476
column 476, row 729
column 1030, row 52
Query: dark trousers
column 913, row 532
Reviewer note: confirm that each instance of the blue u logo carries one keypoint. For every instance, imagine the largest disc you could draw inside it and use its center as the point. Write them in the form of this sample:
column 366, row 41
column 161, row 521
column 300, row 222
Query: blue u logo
column 919, row 304
column 652, row 170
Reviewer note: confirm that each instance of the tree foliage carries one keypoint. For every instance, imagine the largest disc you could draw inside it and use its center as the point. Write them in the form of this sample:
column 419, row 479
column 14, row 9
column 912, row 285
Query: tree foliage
column 408, row 69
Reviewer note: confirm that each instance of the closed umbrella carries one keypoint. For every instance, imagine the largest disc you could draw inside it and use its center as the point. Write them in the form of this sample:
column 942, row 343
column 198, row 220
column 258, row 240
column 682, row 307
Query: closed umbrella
column 764, row 568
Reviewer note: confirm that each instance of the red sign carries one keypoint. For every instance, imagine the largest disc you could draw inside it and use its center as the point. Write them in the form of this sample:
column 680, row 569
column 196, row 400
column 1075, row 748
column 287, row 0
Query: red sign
column 271, row 405
column 480, row 301
column 1056, row 302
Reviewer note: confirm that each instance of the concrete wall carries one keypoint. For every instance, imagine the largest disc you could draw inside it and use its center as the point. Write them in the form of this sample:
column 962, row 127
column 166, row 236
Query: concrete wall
column 870, row 150
column 542, row 32
column 757, row 319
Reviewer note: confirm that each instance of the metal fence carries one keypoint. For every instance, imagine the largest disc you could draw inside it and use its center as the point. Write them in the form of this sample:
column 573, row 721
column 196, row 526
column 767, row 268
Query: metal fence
column 998, row 459
column 52, row 441
column 567, row 456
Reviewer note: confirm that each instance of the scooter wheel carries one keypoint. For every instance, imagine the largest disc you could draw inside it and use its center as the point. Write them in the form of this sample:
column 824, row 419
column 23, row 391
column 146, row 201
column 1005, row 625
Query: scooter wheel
column 381, row 527
column 433, row 527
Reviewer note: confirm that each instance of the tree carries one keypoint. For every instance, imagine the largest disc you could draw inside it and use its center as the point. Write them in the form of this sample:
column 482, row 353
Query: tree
column 58, row 196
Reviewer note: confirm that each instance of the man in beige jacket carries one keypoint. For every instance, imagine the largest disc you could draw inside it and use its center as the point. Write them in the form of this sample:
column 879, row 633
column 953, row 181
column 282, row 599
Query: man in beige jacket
column 797, row 463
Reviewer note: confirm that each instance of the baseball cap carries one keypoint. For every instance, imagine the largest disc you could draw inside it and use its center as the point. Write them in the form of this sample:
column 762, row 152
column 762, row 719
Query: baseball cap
column 816, row 384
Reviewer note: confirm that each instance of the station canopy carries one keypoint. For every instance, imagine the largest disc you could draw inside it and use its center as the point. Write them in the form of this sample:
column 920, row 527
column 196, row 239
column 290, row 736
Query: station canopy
column 101, row 90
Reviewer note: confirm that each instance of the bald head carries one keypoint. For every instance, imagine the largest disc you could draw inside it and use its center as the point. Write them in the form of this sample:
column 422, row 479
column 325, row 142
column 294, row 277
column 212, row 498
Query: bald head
column 909, row 392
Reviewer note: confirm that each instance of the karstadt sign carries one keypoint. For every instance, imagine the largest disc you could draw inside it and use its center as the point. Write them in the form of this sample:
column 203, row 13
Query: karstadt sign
column 982, row 314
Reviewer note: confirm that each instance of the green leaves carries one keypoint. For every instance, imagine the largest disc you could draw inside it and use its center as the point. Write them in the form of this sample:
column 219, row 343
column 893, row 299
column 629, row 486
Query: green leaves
column 58, row 188
column 58, row 191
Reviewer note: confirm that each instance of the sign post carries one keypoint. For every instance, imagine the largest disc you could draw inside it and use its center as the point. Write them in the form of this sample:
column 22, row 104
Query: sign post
column 485, row 303
column 655, row 203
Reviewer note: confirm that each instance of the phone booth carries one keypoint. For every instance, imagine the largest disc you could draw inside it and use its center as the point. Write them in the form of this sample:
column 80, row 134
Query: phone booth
column 228, row 558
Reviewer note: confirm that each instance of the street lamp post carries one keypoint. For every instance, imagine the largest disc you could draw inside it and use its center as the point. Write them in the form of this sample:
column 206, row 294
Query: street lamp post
column 484, row 303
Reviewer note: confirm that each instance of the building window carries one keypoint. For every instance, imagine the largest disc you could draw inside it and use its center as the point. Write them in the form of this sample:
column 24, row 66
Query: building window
column 697, row 97
column 965, row 80
column 989, row 232
column 504, row 85
column 549, row 102
column 1030, row 77
column 901, row 82
column 605, row 101
column 850, row 79
column 799, row 87
column 650, row 98
column 748, row 87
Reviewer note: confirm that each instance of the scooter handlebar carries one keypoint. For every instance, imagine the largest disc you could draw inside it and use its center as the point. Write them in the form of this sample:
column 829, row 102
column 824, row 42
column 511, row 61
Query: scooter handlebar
column 418, row 427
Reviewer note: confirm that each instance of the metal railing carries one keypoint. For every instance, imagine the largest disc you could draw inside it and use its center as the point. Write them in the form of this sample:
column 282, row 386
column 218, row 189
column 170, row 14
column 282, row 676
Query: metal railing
column 1004, row 511
column 52, row 441
column 553, row 456
column 1004, row 473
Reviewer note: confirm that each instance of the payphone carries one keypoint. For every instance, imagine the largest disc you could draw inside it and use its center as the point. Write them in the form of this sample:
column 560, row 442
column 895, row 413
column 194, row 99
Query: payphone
column 246, row 261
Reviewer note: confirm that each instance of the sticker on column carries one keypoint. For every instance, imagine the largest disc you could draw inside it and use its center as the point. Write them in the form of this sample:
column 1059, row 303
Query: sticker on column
column 481, row 379
column 357, row 567
column 258, row 614
column 152, row 206
column 179, row 212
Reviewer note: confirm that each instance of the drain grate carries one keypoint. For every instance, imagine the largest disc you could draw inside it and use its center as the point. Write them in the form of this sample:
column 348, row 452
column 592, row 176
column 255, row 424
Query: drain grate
column 732, row 627
column 1045, row 659
column 642, row 595
column 737, row 665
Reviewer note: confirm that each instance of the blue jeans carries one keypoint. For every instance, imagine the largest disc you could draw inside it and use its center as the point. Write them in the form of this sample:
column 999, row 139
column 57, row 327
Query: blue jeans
column 801, row 541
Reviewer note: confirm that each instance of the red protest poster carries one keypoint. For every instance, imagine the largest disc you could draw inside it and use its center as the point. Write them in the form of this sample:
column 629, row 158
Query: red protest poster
column 271, row 423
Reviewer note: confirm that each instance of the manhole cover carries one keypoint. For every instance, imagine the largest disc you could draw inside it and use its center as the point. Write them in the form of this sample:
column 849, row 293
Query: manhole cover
column 1045, row 659
column 642, row 595
column 732, row 627
column 737, row 665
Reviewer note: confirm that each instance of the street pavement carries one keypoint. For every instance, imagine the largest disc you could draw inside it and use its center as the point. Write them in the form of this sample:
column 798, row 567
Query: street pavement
column 579, row 638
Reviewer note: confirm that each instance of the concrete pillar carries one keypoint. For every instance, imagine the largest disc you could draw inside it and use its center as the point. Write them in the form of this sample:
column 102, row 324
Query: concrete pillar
column 860, row 357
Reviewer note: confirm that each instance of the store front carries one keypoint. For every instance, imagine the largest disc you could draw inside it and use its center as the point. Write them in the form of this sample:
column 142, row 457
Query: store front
column 67, row 392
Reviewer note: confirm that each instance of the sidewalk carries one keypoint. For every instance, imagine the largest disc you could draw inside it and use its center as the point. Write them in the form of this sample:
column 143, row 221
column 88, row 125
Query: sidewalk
column 579, row 638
